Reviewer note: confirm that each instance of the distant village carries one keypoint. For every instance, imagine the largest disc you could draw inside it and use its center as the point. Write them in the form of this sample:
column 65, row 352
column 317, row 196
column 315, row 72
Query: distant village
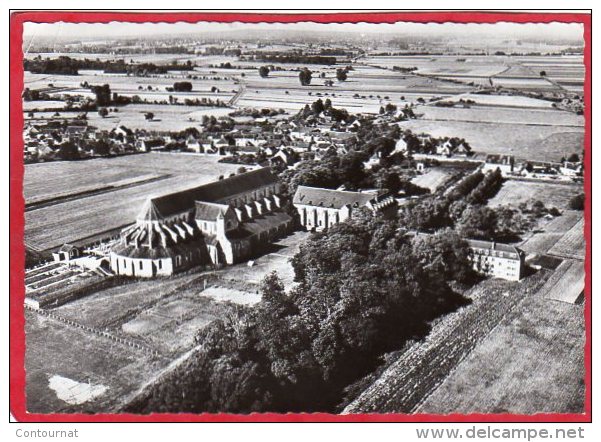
column 273, row 141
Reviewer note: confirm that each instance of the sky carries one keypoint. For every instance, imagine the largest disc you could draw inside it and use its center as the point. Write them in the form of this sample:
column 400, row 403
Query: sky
column 551, row 31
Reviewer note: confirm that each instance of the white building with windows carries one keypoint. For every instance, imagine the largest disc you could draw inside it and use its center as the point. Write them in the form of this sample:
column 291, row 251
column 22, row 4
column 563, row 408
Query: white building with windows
column 319, row 209
column 497, row 260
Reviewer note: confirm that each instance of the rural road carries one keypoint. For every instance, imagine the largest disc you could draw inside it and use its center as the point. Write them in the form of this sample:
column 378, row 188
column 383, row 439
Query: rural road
column 236, row 97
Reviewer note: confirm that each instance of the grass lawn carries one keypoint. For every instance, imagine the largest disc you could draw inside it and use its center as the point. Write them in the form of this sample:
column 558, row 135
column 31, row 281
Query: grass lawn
column 278, row 261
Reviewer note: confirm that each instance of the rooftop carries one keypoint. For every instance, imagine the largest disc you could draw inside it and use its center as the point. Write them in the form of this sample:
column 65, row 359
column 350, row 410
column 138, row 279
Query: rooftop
column 217, row 191
column 337, row 199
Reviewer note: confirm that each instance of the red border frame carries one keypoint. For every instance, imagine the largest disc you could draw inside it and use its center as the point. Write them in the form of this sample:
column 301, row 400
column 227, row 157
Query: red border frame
column 17, row 249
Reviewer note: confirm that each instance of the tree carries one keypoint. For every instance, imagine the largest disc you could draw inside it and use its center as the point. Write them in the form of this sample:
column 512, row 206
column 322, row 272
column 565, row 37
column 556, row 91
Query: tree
column 103, row 112
column 68, row 151
column 149, row 116
column 444, row 255
column 574, row 158
column 577, row 202
column 317, row 107
column 390, row 181
column 341, row 74
column 543, row 73
column 264, row 71
column 305, row 76
column 477, row 222
column 103, row 94
column 182, row 86
column 102, row 148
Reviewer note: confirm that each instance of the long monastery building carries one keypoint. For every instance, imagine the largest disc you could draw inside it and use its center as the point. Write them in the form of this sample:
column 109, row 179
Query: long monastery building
column 223, row 222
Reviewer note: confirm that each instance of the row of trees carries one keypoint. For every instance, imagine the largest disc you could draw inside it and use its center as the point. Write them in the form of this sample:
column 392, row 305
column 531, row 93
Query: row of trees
column 65, row 65
column 464, row 209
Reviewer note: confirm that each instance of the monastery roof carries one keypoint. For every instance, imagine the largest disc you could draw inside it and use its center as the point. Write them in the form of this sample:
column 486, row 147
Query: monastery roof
column 490, row 245
column 216, row 191
column 209, row 211
column 265, row 223
column 314, row 196
column 149, row 212
column 157, row 251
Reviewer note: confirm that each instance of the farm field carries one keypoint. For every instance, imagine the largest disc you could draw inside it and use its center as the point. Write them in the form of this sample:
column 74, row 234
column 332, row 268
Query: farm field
column 505, row 71
column 48, row 227
column 505, row 101
column 549, row 234
column 483, row 66
column 522, row 141
column 500, row 115
column 423, row 365
column 515, row 192
column 129, row 85
column 43, row 181
column 547, row 376
column 567, row 282
column 169, row 118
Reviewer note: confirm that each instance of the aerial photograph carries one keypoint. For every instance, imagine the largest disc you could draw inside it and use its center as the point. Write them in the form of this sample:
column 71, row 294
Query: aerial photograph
column 341, row 218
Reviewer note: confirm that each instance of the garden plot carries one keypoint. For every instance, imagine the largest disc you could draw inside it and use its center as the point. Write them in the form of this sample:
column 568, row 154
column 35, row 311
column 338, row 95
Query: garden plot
column 222, row 294
column 170, row 325
column 572, row 244
column 433, row 178
column 111, row 307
